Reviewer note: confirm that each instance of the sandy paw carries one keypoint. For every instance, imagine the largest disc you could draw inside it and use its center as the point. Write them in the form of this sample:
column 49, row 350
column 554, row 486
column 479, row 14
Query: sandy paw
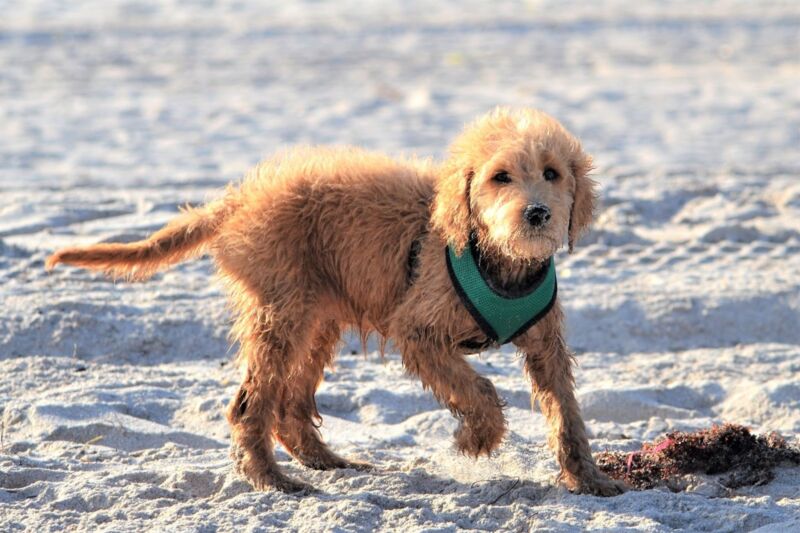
column 264, row 476
column 597, row 484
column 264, row 481
column 475, row 441
column 287, row 485
column 333, row 462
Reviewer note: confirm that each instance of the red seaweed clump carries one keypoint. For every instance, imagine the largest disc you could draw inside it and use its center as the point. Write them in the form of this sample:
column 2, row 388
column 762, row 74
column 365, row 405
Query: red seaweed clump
column 748, row 459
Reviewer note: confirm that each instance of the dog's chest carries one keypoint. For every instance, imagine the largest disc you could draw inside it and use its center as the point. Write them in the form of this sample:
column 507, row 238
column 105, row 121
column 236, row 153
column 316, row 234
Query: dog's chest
column 501, row 316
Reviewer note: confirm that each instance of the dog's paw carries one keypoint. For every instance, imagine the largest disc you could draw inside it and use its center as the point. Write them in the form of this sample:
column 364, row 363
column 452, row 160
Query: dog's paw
column 287, row 485
column 332, row 462
column 361, row 466
column 264, row 475
column 475, row 441
column 263, row 481
column 595, row 483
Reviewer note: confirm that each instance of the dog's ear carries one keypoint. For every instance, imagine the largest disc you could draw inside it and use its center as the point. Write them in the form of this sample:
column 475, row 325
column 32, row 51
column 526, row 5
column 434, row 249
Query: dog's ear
column 451, row 209
column 584, row 199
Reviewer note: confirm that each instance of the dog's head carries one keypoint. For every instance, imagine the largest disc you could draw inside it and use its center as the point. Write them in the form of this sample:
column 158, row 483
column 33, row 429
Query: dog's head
column 519, row 181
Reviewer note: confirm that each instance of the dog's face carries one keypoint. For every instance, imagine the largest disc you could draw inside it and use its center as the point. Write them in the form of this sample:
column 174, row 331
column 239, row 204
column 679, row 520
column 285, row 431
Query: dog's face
column 521, row 199
column 518, row 180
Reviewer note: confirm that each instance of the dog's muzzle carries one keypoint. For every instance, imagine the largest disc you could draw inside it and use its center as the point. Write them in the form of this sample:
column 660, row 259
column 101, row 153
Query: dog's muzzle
column 537, row 215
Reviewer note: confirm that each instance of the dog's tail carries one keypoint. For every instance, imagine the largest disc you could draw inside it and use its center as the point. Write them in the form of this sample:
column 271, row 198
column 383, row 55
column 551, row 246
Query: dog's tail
column 182, row 238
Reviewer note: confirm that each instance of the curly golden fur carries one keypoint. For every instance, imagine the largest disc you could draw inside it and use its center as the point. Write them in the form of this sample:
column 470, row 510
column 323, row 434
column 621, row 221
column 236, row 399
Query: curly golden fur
column 318, row 239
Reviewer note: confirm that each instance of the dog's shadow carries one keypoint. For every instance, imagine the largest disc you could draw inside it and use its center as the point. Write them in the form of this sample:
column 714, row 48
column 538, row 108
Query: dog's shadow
column 391, row 487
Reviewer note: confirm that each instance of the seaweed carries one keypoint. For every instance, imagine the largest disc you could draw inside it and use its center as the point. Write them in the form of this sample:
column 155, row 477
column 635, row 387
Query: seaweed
column 730, row 449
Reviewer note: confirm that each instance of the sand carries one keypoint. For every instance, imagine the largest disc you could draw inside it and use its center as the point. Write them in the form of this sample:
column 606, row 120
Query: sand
column 683, row 303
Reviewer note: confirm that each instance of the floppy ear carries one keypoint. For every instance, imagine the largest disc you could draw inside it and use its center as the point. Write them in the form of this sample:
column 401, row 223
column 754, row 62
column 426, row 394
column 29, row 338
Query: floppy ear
column 584, row 199
column 451, row 210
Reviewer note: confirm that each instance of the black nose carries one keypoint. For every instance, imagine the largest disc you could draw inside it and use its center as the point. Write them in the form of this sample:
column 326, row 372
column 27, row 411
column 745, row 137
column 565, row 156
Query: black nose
column 536, row 214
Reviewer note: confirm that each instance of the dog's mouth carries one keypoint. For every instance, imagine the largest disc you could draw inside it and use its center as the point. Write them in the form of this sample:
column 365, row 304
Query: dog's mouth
column 536, row 244
column 525, row 243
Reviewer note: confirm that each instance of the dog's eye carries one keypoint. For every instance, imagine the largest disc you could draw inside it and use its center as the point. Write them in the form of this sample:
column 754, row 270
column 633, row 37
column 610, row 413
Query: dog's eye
column 550, row 174
column 502, row 177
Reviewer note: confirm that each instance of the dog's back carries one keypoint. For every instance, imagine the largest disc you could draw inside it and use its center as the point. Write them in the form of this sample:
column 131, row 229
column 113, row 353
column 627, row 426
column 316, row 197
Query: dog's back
column 337, row 222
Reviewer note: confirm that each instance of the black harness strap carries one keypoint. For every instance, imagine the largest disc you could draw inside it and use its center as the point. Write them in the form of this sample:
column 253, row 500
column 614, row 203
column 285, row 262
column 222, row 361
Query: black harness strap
column 412, row 264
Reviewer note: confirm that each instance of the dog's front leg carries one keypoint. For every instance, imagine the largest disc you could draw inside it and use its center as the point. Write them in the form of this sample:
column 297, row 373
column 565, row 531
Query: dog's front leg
column 470, row 397
column 548, row 362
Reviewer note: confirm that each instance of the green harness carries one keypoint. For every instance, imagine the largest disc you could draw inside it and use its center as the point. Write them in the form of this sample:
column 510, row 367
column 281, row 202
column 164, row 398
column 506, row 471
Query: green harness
column 500, row 318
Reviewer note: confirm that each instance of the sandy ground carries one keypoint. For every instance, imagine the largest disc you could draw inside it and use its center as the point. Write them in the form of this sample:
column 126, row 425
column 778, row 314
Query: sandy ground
column 683, row 304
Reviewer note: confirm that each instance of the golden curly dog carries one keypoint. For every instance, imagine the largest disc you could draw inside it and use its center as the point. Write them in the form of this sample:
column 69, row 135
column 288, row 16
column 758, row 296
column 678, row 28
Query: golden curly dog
column 321, row 239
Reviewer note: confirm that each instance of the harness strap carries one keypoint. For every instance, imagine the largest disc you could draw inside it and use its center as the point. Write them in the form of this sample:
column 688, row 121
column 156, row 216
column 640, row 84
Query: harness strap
column 501, row 318
column 412, row 263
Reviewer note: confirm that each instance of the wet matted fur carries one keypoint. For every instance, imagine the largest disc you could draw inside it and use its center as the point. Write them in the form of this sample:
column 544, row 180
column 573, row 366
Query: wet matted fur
column 318, row 239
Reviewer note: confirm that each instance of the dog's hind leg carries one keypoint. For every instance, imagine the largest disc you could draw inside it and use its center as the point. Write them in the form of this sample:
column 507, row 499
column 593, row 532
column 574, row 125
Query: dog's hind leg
column 269, row 343
column 297, row 415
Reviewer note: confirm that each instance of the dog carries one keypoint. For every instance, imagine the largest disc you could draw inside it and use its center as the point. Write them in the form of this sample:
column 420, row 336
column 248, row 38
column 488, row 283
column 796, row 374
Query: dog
column 319, row 239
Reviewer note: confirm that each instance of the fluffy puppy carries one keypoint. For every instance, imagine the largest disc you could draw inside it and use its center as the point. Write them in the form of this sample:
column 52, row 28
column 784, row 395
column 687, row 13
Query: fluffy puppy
column 321, row 239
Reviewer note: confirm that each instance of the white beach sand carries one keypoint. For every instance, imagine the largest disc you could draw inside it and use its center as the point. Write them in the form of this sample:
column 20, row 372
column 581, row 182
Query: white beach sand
column 683, row 304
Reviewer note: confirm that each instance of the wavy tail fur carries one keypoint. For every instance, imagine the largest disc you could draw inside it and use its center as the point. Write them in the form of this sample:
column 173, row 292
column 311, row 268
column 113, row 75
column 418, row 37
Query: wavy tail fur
column 184, row 237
